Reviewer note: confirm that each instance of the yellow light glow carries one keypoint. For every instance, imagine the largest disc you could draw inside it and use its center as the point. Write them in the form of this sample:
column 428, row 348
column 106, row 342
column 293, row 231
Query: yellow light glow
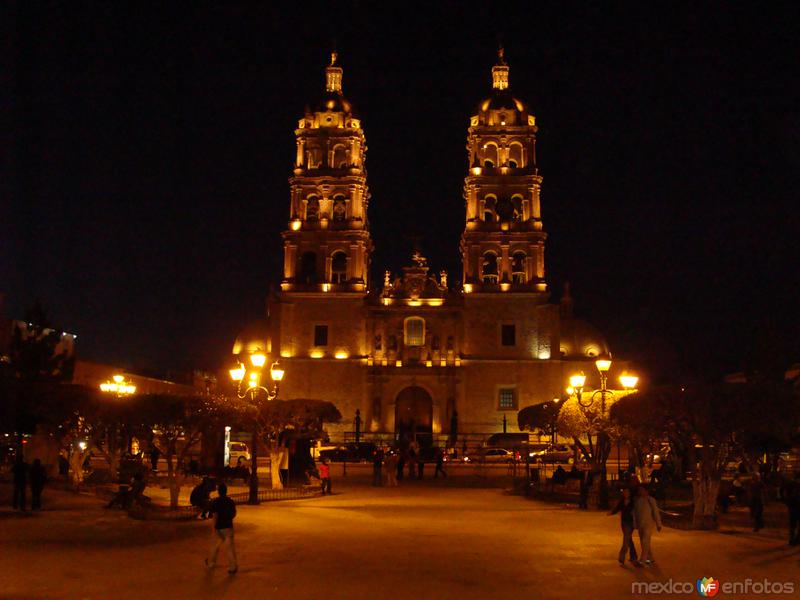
column 476, row 170
column 505, row 286
column 326, row 287
column 414, row 303
column 316, row 353
column 458, row 361
column 237, row 374
column 443, row 362
column 435, row 302
column 118, row 378
column 341, row 354
column 296, row 224
column 107, row 387
column 467, row 288
column 629, row 381
column 603, row 364
column 570, row 390
column 428, row 363
column 386, row 301
column 370, row 361
column 276, row 372
column 384, row 362
column 576, row 381
column 544, row 354
column 398, row 363
column 258, row 359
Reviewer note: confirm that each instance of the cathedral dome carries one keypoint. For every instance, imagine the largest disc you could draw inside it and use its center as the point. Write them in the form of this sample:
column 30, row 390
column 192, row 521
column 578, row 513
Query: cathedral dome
column 502, row 108
column 255, row 337
column 580, row 339
column 502, row 100
column 333, row 102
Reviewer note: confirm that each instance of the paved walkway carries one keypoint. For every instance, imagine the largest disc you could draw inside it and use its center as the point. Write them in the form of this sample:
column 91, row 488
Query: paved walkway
column 417, row 541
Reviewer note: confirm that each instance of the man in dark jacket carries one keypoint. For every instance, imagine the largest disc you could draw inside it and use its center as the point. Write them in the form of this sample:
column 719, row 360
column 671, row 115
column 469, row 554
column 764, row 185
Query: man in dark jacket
column 225, row 511
column 38, row 477
column 201, row 497
column 790, row 495
column 20, row 472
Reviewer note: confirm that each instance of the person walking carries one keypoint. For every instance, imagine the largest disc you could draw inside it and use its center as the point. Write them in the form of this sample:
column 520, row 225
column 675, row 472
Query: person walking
column 38, row 477
column 757, row 490
column 377, row 467
column 325, row 476
column 391, row 469
column 790, row 495
column 155, row 454
column 646, row 518
column 225, row 511
column 625, row 509
column 439, row 465
column 20, row 473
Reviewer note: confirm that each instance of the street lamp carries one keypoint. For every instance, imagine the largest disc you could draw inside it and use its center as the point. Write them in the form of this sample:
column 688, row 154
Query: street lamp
column 121, row 389
column 250, row 387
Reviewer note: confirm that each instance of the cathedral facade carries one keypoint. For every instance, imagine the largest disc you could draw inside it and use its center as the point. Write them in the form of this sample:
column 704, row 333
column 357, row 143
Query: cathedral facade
column 417, row 351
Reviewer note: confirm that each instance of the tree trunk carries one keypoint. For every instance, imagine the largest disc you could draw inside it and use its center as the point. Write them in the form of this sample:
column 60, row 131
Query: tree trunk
column 76, row 458
column 275, row 456
column 705, row 490
column 172, row 480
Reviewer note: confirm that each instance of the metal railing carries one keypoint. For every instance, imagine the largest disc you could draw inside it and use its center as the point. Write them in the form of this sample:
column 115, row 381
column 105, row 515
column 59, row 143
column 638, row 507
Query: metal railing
column 270, row 495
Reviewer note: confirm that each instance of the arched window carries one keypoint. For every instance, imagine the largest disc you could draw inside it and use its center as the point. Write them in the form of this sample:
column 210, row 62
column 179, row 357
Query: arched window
column 414, row 334
column 516, row 201
column 518, row 267
column 312, row 209
column 313, row 158
column 339, row 157
column 489, row 267
column 338, row 267
column 489, row 155
column 308, row 268
column 489, row 205
column 339, row 208
column 515, row 155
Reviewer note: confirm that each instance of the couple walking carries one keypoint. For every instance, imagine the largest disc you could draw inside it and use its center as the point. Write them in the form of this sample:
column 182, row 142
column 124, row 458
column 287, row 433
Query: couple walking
column 638, row 510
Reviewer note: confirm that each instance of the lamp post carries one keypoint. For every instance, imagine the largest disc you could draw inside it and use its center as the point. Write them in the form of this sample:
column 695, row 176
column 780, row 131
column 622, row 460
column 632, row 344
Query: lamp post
column 121, row 389
column 250, row 387
column 577, row 382
column 629, row 384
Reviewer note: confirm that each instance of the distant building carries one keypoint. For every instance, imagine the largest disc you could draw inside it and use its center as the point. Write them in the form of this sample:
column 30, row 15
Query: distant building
column 415, row 352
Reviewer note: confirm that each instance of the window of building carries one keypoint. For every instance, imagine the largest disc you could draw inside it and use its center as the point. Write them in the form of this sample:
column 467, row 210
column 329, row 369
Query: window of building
column 490, row 268
column 339, row 267
column 308, row 268
column 508, row 335
column 339, row 209
column 312, row 209
column 320, row 335
column 518, row 267
column 415, row 331
column 507, row 399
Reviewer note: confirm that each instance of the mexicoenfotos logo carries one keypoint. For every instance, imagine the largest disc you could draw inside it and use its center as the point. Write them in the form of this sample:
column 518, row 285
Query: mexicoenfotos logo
column 708, row 587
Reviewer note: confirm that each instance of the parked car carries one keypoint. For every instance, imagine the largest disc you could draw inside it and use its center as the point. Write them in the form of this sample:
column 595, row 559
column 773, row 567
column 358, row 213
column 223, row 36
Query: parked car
column 496, row 455
column 350, row 452
column 560, row 453
column 239, row 450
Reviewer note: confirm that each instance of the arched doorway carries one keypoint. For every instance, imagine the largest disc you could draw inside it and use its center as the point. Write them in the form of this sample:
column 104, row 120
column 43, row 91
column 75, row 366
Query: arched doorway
column 413, row 418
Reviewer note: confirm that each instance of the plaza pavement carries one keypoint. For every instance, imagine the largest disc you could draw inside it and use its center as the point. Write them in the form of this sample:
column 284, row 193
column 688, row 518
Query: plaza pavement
column 422, row 540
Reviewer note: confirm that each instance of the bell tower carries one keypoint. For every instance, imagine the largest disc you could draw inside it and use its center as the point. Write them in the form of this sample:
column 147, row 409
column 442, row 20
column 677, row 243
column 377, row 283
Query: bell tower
column 327, row 245
column 502, row 247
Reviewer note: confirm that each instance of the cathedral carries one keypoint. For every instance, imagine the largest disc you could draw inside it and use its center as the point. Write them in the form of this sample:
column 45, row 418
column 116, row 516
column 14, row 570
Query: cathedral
column 417, row 351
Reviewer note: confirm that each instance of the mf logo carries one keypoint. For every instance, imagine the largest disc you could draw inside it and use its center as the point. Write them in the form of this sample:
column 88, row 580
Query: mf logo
column 707, row 587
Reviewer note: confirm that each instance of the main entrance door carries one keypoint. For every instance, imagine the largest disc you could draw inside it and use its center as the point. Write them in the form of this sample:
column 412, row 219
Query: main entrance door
column 413, row 416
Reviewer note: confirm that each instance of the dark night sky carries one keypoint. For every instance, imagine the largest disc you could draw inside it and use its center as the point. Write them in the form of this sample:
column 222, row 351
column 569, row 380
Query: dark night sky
column 145, row 157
